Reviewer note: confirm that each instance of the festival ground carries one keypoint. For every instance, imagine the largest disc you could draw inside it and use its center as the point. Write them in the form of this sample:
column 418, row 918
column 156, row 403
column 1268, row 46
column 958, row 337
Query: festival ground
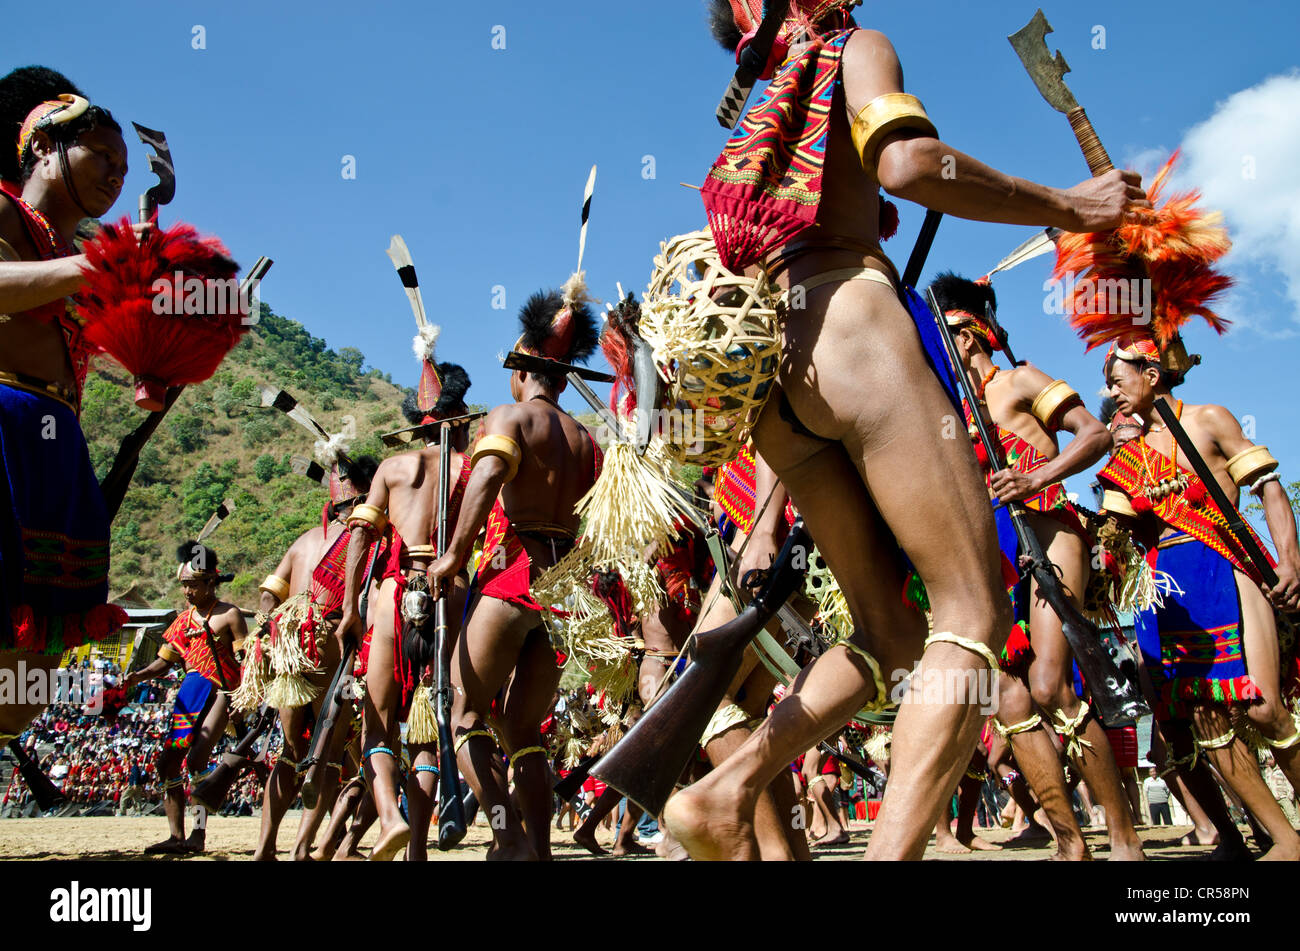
column 107, row 838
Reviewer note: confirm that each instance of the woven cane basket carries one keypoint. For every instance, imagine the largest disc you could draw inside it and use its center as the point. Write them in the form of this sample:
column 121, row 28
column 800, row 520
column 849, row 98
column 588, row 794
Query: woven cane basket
column 717, row 344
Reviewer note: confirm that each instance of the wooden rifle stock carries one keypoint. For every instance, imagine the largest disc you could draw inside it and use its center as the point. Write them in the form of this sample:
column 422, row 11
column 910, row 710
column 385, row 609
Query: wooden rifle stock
column 1115, row 693
column 646, row 763
column 212, row 789
column 47, row 795
column 451, row 810
column 324, row 729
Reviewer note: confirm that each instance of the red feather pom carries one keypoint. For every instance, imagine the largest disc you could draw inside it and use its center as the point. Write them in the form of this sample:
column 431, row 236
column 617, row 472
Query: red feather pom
column 888, row 219
column 1195, row 495
column 1174, row 246
column 1141, row 504
column 166, row 332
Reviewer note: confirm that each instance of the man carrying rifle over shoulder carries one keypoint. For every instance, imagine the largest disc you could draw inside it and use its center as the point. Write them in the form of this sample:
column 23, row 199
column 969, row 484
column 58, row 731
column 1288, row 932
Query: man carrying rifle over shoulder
column 540, row 461
column 402, row 643
column 1027, row 409
column 205, row 638
column 1212, row 648
column 854, row 434
column 303, row 597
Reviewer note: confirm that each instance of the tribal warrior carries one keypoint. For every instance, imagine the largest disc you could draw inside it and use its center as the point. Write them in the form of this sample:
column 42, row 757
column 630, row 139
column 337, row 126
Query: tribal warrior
column 204, row 639
column 531, row 466
column 845, row 433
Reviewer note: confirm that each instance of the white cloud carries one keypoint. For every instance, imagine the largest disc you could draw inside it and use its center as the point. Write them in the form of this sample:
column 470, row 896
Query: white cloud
column 1245, row 159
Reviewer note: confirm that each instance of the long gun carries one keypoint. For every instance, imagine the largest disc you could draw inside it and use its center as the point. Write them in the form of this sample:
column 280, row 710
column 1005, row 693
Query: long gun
column 47, row 795
column 332, row 705
column 1116, row 695
column 451, row 810
column 212, row 789
column 646, row 763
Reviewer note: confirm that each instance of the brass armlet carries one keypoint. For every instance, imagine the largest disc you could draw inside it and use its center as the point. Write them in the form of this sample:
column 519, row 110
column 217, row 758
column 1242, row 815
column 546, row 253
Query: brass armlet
column 504, row 448
column 1249, row 464
column 276, row 586
column 1048, row 404
column 170, row 654
column 1117, row 503
column 884, row 115
column 371, row 516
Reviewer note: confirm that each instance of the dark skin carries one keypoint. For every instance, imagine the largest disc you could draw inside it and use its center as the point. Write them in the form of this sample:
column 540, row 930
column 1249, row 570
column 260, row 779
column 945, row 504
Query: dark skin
column 32, row 347
column 282, row 785
column 228, row 627
column 1008, row 397
column 506, row 641
column 1217, row 436
column 406, row 485
column 886, row 477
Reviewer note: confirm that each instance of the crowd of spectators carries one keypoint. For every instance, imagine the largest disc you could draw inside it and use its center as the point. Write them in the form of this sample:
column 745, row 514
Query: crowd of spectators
column 109, row 767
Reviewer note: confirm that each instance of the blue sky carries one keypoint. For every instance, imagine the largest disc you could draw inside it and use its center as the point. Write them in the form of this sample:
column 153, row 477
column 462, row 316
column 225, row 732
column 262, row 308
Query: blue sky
column 478, row 155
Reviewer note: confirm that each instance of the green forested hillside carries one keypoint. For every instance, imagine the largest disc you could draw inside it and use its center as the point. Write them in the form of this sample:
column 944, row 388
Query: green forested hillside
column 218, row 442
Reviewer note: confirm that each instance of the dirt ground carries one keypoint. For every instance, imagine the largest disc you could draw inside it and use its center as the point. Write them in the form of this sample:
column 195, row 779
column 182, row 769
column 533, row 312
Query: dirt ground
column 233, row 839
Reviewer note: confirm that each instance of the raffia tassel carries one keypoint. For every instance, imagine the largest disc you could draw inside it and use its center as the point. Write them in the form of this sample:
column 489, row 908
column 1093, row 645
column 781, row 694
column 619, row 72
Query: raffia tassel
column 574, row 748
column 606, row 741
column 422, row 724
column 290, row 691
column 1143, row 587
column 632, row 505
column 617, row 680
column 286, row 652
column 251, row 692
column 877, row 745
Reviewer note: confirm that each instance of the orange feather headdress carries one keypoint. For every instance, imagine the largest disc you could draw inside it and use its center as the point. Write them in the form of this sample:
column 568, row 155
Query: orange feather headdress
column 1149, row 277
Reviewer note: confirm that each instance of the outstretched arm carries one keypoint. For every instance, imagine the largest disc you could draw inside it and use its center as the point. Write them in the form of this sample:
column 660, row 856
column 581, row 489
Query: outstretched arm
column 912, row 165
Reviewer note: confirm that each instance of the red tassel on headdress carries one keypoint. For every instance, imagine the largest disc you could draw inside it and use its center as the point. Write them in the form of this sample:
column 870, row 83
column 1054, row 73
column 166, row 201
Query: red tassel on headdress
column 126, row 285
column 1174, row 245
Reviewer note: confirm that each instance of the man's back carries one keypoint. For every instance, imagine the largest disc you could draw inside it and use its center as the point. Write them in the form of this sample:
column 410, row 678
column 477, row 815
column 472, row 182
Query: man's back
column 557, row 469
column 411, row 483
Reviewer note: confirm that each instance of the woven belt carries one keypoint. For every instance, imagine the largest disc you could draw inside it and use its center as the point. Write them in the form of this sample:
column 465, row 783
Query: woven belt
column 66, row 395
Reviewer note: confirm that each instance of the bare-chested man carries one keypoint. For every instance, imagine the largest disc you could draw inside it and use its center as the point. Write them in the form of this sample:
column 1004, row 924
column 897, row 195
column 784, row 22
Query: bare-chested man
column 1217, row 636
column 855, row 432
column 205, row 638
column 62, row 161
column 540, row 461
column 1027, row 409
column 406, row 486
column 311, row 576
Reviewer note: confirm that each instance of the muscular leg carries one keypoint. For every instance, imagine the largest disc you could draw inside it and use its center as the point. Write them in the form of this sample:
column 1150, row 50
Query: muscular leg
column 330, row 777
column 210, row 730
column 1272, row 717
column 861, row 375
column 1239, row 768
column 1203, row 797
column 483, row 659
column 282, row 784
column 343, row 807
column 1051, row 683
column 527, row 703
column 381, row 728
column 365, row 817
column 1035, row 753
column 968, row 797
column 421, row 797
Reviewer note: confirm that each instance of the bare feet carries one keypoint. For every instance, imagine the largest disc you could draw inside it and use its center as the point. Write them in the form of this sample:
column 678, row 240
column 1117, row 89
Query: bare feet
column 322, row 853
column 948, row 845
column 1201, row 837
column 1287, row 850
column 842, row 838
column 670, row 849
column 168, row 846
column 520, row 852
column 587, row 839
column 1030, row 837
column 390, row 843
column 632, row 848
column 1128, row 852
column 1072, row 850
column 976, row 844
column 710, row 828
column 1231, row 852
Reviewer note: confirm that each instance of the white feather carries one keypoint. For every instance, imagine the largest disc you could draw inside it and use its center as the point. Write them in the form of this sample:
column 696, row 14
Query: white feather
column 327, row 450
column 424, row 343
